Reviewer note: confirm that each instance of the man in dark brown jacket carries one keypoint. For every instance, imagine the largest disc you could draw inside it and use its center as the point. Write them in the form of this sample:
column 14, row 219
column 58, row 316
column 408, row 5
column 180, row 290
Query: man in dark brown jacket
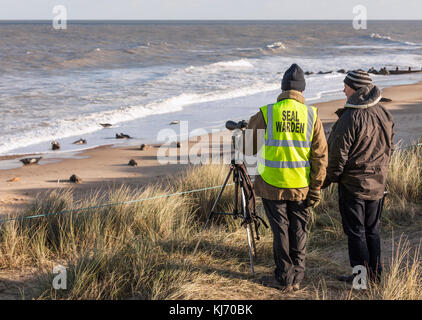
column 360, row 146
column 287, row 209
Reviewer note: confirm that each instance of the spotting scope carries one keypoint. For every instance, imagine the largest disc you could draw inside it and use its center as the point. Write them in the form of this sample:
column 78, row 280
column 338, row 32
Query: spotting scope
column 233, row 125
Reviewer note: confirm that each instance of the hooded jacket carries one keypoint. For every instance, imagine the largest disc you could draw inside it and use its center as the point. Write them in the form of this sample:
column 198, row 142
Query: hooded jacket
column 319, row 157
column 360, row 145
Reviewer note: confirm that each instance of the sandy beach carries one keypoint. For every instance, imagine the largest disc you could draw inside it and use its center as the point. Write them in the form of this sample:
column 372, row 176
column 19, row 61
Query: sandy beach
column 107, row 165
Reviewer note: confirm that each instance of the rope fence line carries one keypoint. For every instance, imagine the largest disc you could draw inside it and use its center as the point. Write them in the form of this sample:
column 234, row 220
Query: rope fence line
column 4, row 220
column 110, row 204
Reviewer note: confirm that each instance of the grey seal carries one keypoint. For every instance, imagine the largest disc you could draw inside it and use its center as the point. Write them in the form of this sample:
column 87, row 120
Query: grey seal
column 27, row 161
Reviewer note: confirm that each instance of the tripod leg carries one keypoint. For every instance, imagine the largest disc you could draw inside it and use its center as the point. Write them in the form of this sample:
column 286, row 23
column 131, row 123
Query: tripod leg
column 248, row 234
column 236, row 191
column 253, row 241
column 213, row 208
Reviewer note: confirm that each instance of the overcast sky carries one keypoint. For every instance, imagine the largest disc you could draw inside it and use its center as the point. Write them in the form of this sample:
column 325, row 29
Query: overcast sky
column 210, row 9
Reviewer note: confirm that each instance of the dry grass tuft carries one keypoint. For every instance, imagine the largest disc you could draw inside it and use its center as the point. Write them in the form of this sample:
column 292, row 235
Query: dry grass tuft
column 405, row 176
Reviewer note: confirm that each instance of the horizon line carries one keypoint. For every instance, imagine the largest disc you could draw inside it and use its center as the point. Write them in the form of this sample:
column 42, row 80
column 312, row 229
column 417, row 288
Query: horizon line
column 199, row 20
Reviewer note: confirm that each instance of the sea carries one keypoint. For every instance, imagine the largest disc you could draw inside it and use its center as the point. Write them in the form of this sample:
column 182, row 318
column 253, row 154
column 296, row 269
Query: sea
column 140, row 76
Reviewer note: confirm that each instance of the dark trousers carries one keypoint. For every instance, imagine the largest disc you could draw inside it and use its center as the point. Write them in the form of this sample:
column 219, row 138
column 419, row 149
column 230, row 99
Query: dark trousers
column 288, row 220
column 361, row 224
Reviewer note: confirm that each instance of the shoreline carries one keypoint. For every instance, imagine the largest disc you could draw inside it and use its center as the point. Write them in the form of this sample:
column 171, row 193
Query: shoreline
column 146, row 129
column 74, row 153
column 105, row 166
column 51, row 154
column 47, row 157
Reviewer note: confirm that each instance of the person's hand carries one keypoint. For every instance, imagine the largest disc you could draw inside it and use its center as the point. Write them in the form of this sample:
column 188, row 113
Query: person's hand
column 314, row 198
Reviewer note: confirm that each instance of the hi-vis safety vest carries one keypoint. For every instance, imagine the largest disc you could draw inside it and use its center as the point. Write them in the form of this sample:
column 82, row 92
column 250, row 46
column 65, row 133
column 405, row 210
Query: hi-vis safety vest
column 284, row 158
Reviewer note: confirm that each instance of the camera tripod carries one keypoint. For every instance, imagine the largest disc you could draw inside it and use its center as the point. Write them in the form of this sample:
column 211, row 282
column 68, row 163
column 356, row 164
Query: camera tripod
column 241, row 181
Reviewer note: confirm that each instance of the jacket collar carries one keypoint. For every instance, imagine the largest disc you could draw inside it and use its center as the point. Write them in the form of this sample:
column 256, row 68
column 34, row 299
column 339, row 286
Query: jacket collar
column 291, row 94
column 364, row 98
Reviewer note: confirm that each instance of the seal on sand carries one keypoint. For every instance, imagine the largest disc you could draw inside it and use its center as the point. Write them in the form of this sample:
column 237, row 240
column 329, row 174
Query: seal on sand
column 144, row 147
column 27, row 161
column 132, row 163
column 123, row 136
column 55, row 145
column 80, row 141
column 74, row 178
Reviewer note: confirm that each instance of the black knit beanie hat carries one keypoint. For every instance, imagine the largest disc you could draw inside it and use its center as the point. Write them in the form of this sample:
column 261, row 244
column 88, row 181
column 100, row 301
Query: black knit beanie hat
column 293, row 79
column 357, row 79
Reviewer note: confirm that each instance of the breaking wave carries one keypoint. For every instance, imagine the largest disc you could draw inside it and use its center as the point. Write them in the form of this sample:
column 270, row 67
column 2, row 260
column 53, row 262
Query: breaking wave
column 85, row 124
column 389, row 39
column 218, row 66
column 276, row 45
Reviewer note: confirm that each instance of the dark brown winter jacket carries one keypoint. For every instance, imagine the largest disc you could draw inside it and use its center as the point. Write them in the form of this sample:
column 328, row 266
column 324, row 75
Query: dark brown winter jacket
column 360, row 145
column 319, row 156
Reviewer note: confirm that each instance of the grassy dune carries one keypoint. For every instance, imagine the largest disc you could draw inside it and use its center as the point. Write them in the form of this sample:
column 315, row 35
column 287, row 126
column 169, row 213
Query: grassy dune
column 144, row 250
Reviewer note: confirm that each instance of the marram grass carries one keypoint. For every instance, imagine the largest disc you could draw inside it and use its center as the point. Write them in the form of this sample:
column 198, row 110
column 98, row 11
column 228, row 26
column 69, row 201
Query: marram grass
column 144, row 250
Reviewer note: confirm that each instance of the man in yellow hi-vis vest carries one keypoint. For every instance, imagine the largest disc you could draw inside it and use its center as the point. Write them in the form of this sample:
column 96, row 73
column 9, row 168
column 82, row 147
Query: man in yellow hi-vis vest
column 292, row 165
